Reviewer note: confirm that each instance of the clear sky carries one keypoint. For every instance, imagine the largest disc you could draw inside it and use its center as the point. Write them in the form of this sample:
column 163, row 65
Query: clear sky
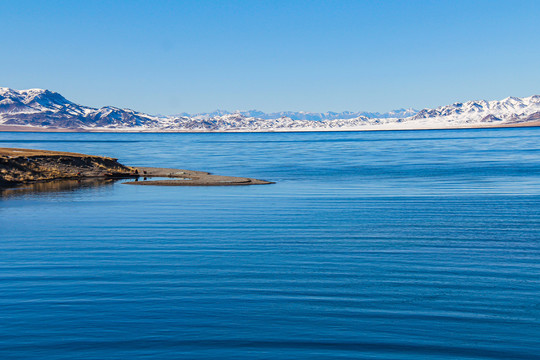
column 169, row 57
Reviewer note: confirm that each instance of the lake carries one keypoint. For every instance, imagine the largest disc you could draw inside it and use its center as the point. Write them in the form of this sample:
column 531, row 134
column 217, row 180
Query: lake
column 371, row 245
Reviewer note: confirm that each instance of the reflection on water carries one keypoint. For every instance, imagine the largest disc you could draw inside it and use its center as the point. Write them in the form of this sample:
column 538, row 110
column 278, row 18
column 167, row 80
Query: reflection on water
column 57, row 186
column 65, row 186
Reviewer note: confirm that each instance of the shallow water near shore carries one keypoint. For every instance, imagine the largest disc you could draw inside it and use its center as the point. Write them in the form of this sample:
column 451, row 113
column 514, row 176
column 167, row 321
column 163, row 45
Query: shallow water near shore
column 371, row 245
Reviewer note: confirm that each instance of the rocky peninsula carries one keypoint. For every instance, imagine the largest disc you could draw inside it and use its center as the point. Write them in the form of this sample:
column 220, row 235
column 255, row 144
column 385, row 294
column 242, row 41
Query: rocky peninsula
column 28, row 166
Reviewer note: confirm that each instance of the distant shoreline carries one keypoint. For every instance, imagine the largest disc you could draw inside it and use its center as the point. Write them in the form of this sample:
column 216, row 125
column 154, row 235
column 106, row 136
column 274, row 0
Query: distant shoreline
column 23, row 128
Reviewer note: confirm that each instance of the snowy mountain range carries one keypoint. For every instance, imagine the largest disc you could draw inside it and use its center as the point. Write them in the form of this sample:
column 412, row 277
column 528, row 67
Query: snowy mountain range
column 302, row 115
column 43, row 109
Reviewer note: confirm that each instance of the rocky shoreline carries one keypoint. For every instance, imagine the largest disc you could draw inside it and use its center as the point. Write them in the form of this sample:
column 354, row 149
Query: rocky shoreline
column 28, row 166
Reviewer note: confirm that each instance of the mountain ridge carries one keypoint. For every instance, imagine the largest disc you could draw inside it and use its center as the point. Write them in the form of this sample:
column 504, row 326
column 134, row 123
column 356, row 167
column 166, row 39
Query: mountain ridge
column 45, row 109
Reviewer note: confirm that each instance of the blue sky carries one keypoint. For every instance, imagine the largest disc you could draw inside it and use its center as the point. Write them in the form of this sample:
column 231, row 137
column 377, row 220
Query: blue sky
column 191, row 56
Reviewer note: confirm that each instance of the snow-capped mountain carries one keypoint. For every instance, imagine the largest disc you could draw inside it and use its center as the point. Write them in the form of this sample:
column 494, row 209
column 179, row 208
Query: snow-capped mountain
column 39, row 108
column 511, row 109
column 44, row 108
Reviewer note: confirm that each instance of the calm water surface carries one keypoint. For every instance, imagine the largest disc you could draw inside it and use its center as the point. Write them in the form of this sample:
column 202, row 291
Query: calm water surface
column 372, row 245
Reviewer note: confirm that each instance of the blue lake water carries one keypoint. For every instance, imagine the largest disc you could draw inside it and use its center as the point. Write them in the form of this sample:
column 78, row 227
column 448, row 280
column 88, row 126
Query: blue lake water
column 371, row 245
